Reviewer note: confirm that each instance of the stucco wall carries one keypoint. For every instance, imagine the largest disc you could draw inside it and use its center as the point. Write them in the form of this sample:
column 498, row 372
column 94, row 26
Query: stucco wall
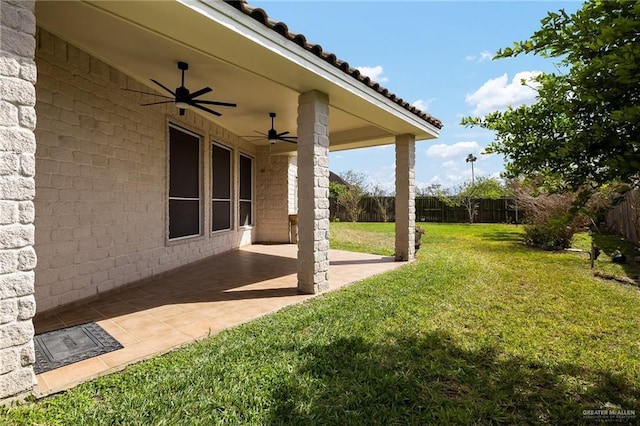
column 101, row 180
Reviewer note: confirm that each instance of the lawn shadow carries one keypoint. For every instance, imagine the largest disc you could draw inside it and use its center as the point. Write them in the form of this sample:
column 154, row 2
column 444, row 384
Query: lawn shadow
column 503, row 236
column 609, row 243
column 429, row 379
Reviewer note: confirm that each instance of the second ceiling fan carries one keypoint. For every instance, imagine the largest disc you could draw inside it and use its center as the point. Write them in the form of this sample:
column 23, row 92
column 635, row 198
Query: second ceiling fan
column 273, row 136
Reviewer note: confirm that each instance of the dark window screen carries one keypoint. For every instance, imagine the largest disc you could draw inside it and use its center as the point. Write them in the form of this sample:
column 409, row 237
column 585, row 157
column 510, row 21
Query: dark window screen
column 221, row 172
column 221, row 188
column 245, row 213
column 184, row 184
column 246, row 190
column 184, row 218
column 221, row 215
column 183, row 159
column 245, row 177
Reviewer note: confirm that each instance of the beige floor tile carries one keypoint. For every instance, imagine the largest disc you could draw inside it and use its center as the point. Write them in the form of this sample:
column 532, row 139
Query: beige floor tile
column 165, row 312
column 73, row 374
column 79, row 315
column 167, row 340
column 123, row 337
column 113, row 308
column 194, row 326
column 194, row 302
column 128, row 355
column 143, row 326
column 50, row 323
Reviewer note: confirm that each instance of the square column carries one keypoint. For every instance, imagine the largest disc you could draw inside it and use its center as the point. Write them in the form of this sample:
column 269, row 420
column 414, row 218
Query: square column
column 313, row 192
column 405, row 197
column 17, row 189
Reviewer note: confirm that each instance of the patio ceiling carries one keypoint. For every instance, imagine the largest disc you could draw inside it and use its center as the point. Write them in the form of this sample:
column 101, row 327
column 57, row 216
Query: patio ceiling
column 242, row 60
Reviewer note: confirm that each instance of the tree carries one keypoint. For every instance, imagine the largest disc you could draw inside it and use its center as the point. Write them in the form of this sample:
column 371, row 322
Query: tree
column 349, row 199
column 584, row 129
column 335, row 189
column 431, row 190
column 381, row 198
column 467, row 194
column 472, row 159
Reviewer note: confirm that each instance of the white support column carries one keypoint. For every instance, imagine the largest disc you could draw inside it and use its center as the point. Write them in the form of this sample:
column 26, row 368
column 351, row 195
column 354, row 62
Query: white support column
column 17, row 189
column 405, row 197
column 313, row 192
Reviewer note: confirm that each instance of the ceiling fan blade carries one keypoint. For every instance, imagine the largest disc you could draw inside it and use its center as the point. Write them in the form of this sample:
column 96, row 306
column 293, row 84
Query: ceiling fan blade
column 158, row 103
column 146, row 93
column 215, row 103
column 283, row 133
column 163, row 86
column 260, row 133
column 210, row 111
column 200, row 92
column 288, row 139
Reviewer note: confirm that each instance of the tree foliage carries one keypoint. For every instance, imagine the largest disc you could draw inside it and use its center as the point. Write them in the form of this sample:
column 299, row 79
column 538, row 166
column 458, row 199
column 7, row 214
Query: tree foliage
column 584, row 128
column 468, row 193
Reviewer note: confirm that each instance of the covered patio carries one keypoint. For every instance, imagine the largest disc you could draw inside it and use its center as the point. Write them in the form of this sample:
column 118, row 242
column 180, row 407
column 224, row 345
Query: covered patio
column 192, row 303
column 108, row 182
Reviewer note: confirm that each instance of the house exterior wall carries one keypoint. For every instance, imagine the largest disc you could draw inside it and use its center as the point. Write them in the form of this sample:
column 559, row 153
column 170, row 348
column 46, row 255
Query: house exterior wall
column 101, row 183
column 293, row 184
column 17, row 160
column 273, row 192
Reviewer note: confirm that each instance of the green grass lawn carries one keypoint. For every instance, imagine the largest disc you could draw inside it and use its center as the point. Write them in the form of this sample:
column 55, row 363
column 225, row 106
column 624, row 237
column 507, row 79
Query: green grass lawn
column 479, row 330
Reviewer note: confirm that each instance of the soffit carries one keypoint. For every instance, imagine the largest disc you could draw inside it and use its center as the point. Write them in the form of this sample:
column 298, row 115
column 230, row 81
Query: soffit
column 238, row 57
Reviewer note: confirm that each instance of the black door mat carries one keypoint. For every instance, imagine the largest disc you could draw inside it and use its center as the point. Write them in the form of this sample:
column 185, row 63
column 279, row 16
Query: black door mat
column 62, row 347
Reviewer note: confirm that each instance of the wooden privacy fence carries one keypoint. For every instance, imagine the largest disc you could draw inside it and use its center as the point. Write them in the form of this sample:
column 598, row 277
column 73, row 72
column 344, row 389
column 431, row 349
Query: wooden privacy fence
column 431, row 209
column 624, row 218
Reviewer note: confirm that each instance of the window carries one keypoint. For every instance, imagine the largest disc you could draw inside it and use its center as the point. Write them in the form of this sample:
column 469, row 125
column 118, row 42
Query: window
column 221, row 188
column 246, row 190
column 184, row 183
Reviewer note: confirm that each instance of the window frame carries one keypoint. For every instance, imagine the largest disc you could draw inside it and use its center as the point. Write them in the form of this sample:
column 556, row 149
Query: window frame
column 230, row 200
column 200, row 184
column 245, row 200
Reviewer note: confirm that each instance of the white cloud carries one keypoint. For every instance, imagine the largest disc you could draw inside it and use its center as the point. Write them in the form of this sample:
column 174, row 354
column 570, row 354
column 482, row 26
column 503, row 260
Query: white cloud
column 459, row 149
column 374, row 73
column 449, row 164
column 423, row 105
column 483, row 56
column 497, row 93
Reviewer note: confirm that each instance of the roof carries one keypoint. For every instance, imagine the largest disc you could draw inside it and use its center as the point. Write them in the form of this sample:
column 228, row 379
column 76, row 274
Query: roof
column 281, row 28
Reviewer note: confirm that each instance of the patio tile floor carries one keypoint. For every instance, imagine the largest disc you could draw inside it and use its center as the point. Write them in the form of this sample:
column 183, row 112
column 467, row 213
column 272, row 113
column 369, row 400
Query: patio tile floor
column 192, row 303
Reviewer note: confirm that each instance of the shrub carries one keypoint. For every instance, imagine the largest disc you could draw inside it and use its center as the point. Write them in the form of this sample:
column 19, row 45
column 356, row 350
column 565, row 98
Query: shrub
column 551, row 220
column 549, row 236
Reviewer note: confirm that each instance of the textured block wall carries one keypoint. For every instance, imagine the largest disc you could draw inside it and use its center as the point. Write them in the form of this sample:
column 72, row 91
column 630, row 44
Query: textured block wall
column 17, row 187
column 102, row 179
column 272, row 197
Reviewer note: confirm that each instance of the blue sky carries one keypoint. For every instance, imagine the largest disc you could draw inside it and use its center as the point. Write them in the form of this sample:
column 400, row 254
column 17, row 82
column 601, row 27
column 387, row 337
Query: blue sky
column 435, row 55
